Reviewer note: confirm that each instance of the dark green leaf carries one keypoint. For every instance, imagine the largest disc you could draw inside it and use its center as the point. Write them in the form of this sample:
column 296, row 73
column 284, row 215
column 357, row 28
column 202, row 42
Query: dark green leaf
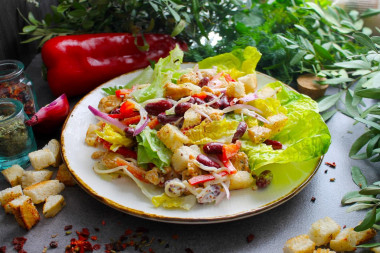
column 369, row 123
column 357, row 207
column 175, row 15
column 368, row 221
column 302, row 28
column 322, row 52
column 358, row 177
column 369, row 93
column 32, row 19
column 77, row 13
column 63, row 7
column 375, row 159
column 348, row 196
column 31, row 39
column 297, row 57
column 365, row 41
column 328, row 114
column 29, row 28
column 360, row 143
column 355, row 64
column 369, row 245
column 369, row 13
column 372, row 144
column 351, row 109
column 328, row 101
column 339, row 80
column 370, row 190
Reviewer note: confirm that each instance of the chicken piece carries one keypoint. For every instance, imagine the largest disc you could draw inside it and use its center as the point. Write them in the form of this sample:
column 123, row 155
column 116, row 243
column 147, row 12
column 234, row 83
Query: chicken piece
column 109, row 159
column 153, row 176
column 178, row 91
column 109, row 103
column 240, row 162
column 191, row 77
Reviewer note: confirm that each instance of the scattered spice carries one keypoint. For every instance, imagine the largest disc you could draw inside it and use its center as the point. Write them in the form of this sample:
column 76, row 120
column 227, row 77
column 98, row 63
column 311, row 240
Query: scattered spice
column 103, row 222
column 175, row 237
column 325, row 171
column 3, row 249
column 68, row 232
column 188, row 250
column 54, row 236
column 18, row 243
column 44, row 250
column 331, row 164
column 94, row 238
column 313, row 199
column 344, row 226
column 332, row 179
column 250, row 238
column 68, row 227
column 53, row 244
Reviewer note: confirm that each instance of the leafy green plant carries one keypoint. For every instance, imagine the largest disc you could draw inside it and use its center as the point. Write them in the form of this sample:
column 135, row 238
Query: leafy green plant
column 365, row 198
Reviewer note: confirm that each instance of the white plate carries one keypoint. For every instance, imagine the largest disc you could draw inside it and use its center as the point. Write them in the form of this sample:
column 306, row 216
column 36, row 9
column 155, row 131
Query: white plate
column 123, row 194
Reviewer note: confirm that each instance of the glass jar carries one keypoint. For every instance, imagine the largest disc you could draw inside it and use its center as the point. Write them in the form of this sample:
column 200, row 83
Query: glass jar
column 15, row 84
column 16, row 139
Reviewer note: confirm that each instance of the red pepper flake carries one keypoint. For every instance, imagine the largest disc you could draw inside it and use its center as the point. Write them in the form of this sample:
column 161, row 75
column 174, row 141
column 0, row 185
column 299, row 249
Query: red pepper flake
column 68, row 227
column 142, row 230
column 188, row 250
column 331, row 164
column 175, row 237
column 94, row 238
column 312, row 199
column 332, row 179
column 97, row 229
column 18, row 243
column 151, row 250
column 250, row 238
column 128, row 232
column 344, row 226
column 3, row 249
column 103, row 222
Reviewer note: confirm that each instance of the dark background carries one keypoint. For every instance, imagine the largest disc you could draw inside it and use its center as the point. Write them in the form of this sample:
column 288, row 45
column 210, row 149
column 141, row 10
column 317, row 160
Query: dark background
column 11, row 24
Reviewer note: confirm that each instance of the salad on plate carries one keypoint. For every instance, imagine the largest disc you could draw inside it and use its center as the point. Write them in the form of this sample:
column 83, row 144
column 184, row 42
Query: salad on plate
column 198, row 133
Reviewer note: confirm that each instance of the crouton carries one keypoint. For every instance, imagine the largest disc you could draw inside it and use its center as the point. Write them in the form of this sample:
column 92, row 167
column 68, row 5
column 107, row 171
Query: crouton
column 241, row 180
column 177, row 92
column 276, row 123
column 172, row 137
column 323, row 231
column 267, row 92
column 13, row 174
column 240, row 161
column 319, row 250
column 64, row 176
column 8, row 195
column 376, row 249
column 91, row 135
column 342, row 242
column 107, row 104
column 25, row 212
column 235, row 90
column 250, row 82
column 361, row 237
column 41, row 159
column 181, row 156
column 299, row 244
column 259, row 134
column 31, row 177
column 191, row 77
column 191, row 118
column 53, row 205
column 40, row 191
column 55, row 147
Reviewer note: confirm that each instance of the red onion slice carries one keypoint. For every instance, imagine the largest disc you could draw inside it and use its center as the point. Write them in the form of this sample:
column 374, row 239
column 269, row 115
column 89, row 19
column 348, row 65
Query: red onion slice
column 104, row 117
column 144, row 118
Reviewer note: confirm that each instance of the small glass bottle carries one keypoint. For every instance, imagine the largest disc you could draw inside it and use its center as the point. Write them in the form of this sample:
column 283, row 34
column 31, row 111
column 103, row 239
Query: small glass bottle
column 15, row 84
column 16, row 139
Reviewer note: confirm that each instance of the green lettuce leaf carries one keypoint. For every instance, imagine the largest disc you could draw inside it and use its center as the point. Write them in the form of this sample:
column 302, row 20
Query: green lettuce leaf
column 150, row 149
column 163, row 72
column 238, row 63
column 305, row 136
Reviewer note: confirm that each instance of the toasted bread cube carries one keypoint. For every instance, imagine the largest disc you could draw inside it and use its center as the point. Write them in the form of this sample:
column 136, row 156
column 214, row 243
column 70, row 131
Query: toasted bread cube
column 259, row 134
column 235, row 90
column 91, row 135
column 342, row 242
column 41, row 159
column 181, row 157
column 323, row 231
column 241, row 180
column 25, row 212
column 276, row 123
column 172, row 137
column 361, row 237
column 107, row 104
column 13, row 174
column 240, row 161
column 55, row 147
column 40, row 191
column 191, row 77
column 31, row 177
column 250, row 82
column 319, row 250
column 9, row 194
column 191, row 118
column 53, row 205
column 177, row 91
column 64, row 176
column 376, row 249
column 299, row 244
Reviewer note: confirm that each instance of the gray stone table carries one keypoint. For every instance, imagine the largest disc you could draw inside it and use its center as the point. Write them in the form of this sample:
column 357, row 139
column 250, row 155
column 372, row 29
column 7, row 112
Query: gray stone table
column 270, row 229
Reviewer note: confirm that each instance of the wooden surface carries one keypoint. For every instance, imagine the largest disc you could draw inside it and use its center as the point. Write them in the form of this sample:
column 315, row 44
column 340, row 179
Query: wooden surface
column 11, row 24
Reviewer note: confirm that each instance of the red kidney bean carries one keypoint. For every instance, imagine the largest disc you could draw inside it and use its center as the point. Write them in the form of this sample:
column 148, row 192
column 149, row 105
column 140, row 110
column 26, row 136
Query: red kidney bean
column 129, row 131
column 214, row 105
column 191, row 100
column 158, row 107
column 181, row 108
column 203, row 159
column 275, row 144
column 240, row 130
column 264, row 179
column 224, row 102
column 204, row 81
column 213, row 148
column 199, row 101
column 164, row 119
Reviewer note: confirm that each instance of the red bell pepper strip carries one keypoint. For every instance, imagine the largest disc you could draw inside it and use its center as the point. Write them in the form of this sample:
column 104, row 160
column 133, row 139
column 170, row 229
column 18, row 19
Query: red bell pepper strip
column 76, row 64
column 136, row 171
column 229, row 150
column 131, row 120
column 227, row 163
column 201, row 95
column 123, row 92
column 205, row 178
column 121, row 150
column 153, row 123
column 228, row 77
column 122, row 116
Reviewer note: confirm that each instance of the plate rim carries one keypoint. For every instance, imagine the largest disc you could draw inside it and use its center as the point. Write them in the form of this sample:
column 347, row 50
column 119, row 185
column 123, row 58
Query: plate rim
column 178, row 220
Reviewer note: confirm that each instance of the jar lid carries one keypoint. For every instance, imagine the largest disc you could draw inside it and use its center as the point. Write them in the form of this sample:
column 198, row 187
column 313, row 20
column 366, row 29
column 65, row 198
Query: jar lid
column 10, row 108
column 10, row 69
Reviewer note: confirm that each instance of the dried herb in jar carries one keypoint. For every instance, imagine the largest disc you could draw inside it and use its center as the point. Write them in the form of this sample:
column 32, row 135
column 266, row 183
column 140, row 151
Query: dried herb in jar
column 13, row 137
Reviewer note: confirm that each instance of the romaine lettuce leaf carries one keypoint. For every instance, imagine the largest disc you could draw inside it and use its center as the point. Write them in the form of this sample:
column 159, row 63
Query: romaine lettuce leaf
column 150, row 149
column 186, row 202
column 305, row 136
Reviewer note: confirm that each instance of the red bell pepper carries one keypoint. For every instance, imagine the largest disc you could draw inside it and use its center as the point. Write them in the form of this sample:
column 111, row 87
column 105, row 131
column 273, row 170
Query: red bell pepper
column 205, row 178
column 76, row 64
column 121, row 150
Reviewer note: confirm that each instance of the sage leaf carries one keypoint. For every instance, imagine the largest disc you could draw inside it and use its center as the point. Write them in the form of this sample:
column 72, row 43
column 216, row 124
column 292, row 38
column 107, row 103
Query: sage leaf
column 358, row 177
column 365, row 40
column 350, row 195
column 369, row 93
column 351, row 109
column 372, row 144
column 368, row 221
column 328, row 114
column 322, row 52
column 362, row 199
column 339, row 80
column 360, row 143
column 370, row 190
column 328, row 101
column 368, row 122
column 355, row 64
column 369, row 245
column 358, row 207
column 302, row 28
